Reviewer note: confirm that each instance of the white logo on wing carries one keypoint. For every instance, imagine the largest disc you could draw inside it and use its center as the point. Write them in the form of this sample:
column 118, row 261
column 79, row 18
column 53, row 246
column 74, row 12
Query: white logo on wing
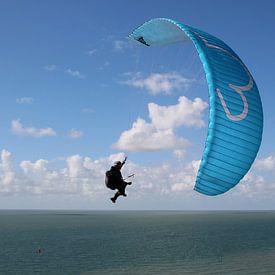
column 237, row 89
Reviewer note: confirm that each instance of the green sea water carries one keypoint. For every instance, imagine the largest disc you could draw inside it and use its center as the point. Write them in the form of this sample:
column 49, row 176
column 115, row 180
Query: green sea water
column 145, row 242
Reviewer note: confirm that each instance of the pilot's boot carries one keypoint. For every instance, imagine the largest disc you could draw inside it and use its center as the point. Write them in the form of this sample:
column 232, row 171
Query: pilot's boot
column 113, row 200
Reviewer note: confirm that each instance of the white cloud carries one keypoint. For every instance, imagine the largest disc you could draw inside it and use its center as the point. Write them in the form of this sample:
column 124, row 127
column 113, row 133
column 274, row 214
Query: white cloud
column 75, row 166
column 74, row 134
column 24, row 100
column 29, row 167
column 179, row 153
column 7, row 175
column 266, row 163
column 37, row 179
column 184, row 180
column 254, row 185
column 18, row 129
column 145, row 136
column 159, row 133
column 84, row 177
column 75, row 73
column 157, row 83
column 50, row 68
column 186, row 112
column 81, row 176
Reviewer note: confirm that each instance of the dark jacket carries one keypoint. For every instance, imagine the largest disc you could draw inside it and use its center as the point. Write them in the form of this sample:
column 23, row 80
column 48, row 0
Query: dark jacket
column 116, row 174
column 113, row 177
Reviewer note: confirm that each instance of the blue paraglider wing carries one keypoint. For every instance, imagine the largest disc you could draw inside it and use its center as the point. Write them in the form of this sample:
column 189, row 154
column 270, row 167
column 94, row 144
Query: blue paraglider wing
column 236, row 116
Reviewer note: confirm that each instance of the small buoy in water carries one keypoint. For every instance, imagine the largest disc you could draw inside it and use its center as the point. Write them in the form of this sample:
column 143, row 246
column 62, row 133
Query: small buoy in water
column 39, row 250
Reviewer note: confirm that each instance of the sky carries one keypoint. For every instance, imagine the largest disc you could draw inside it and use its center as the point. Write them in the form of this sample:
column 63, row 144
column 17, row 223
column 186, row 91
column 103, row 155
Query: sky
column 76, row 95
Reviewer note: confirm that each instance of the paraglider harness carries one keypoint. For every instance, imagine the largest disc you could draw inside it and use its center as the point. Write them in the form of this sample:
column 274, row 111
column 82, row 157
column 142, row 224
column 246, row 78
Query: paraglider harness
column 111, row 180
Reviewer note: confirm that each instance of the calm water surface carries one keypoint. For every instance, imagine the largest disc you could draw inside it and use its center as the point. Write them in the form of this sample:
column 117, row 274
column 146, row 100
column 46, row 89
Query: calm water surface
column 71, row 242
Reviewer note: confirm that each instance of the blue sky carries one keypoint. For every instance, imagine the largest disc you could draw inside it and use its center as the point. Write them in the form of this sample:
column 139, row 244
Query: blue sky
column 72, row 83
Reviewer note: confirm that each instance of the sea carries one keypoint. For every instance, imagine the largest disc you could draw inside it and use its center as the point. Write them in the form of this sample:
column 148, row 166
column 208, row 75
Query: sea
column 137, row 242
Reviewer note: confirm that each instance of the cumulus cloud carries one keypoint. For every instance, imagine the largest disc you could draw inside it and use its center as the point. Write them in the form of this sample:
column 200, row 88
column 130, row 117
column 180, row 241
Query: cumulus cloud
column 37, row 179
column 74, row 166
column 159, row 133
column 186, row 112
column 24, row 100
column 157, row 83
column 7, row 175
column 80, row 176
column 84, row 176
column 255, row 185
column 18, row 129
column 74, row 134
column 266, row 163
column 75, row 73
column 184, row 180
column 145, row 136
column 29, row 167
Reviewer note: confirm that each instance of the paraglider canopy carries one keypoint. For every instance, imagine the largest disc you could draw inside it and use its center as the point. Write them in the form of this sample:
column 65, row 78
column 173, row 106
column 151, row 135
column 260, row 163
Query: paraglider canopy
column 235, row 118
